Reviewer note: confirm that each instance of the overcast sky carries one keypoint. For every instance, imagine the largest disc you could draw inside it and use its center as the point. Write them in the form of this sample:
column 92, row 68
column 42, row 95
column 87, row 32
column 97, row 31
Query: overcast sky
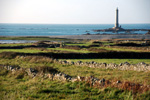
column 74, row 11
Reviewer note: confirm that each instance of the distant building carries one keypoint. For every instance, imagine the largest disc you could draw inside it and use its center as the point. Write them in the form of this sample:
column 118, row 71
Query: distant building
column 117, row 23
column 117, row 27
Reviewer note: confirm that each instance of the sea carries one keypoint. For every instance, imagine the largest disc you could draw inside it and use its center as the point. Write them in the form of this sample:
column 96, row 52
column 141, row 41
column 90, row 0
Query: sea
column 62, row 29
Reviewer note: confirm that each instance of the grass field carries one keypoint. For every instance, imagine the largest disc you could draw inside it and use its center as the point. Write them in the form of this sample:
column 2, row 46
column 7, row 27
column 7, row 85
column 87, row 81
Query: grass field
column 36, row 61
column 16, row 44
column 116, row 61
column 56, row 50
column 29, row 89
column 72, row 50
column 20, row 86
column 15, row 87
column 33, row 38
column 78, row 44
column 119, row 49
column 21, row 50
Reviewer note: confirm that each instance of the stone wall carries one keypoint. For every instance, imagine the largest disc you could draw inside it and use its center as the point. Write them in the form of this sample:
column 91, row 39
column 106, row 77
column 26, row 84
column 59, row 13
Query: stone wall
column 52, row 74
column 122, row 66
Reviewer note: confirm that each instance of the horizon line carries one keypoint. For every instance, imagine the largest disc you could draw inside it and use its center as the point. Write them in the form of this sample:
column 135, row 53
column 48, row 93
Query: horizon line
column 73, row 23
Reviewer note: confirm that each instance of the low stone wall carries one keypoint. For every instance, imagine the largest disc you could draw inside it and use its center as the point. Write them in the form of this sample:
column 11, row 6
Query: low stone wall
column 33, row 72
column 122, row 66
column 91, row 81
column 52, row 75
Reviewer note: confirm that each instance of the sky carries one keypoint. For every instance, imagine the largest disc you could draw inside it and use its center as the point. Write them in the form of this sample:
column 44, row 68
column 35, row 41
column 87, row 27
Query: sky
column 74, row 11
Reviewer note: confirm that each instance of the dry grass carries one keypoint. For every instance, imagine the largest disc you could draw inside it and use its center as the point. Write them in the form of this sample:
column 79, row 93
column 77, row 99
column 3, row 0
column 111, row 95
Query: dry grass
column 38, row 88
column 132, row 85
column 46, row 69
column 36, row 59
column 123, row 85
column 9, row 55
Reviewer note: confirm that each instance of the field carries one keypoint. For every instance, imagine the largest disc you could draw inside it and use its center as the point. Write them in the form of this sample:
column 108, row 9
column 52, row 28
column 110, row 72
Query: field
column 48, row 52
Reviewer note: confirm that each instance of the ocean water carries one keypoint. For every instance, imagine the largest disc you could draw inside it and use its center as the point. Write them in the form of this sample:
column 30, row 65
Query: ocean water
column 61, row 29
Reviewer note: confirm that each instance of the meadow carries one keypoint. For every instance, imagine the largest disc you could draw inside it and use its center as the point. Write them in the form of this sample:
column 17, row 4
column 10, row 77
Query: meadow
column 21, row 86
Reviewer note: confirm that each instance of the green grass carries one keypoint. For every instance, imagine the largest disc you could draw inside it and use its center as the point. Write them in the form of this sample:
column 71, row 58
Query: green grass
column 117, row 61
column 71, row 50
column 44, row 89
column 35, row 50
column 117, row 49
column 78, row 44
column 16, row 44
column 21, row 50
column 31, row 62
column 109, row 74
column 89, row 43
column 46, row 50
column 12, row 88
column 106, row 43
column 84, row 50
column 23, row 87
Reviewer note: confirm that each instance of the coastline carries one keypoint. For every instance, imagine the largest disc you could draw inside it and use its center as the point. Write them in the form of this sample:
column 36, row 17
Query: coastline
column 101, row 37
column 93, row 37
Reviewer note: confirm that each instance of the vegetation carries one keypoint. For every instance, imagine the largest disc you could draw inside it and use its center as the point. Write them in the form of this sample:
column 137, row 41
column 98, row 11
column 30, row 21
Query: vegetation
column 78, row 44
column 37, row 61
column 16, row 44
column 21, row 86
column 71, row 50
column 108, row 61
column 12, row 88
column 33, row 38
column 118, row 49
column 21, row 50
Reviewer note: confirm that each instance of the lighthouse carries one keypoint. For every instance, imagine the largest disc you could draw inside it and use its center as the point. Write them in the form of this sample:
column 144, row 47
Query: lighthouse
column 117, row 27
column 117, row 18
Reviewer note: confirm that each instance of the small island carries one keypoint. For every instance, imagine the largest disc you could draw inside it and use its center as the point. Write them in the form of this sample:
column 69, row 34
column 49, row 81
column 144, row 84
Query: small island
column 118, row 28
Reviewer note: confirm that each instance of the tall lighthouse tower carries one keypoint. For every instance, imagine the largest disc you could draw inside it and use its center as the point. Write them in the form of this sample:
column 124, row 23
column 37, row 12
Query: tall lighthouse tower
column 117, row 18
column 117, row 27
